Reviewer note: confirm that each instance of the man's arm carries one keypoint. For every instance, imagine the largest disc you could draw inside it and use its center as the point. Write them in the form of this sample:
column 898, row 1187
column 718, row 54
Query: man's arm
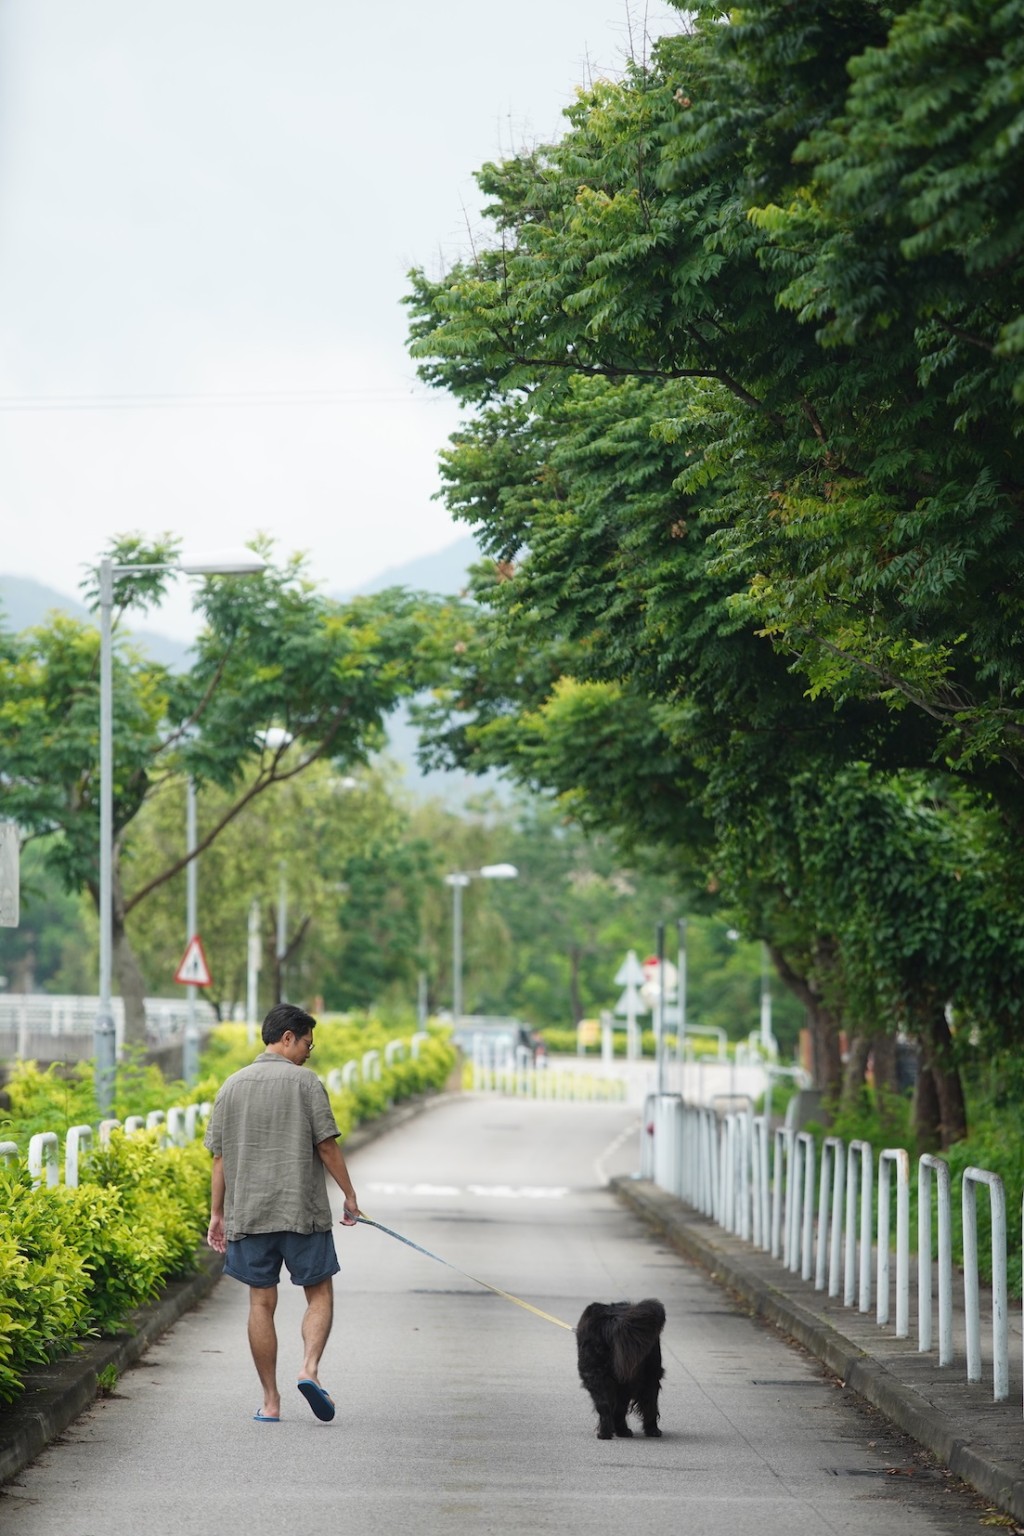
column 215, row 1232
column 333, row 1159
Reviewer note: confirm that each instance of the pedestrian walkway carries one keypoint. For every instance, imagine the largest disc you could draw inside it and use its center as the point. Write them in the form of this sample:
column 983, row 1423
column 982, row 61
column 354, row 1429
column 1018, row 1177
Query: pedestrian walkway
column 979, row 1440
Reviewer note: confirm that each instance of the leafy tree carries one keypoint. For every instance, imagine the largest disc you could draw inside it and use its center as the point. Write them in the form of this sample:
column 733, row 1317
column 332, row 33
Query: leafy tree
column 53, row 948
column 676, row 458
column 273, row 655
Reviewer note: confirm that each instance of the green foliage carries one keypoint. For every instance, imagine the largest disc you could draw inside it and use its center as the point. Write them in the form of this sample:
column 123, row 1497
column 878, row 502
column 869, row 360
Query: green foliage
column 744, row 362
column 273, row 653
column 43, row 1283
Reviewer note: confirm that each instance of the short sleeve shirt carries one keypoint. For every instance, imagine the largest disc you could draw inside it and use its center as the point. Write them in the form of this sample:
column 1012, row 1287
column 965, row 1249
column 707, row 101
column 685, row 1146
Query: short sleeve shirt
column 266, row 1123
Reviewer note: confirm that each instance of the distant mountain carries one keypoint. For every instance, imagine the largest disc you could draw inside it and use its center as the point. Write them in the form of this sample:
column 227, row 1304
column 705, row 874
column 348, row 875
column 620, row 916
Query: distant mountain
column 25, row 603
column 445, row 572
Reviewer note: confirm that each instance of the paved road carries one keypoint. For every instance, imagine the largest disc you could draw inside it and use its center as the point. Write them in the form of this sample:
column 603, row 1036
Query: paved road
column 460, row 1413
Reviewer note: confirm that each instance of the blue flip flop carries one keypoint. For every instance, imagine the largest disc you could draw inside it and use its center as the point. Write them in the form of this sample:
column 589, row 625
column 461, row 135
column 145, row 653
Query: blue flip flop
column 266, row 1418
column 317, row 1399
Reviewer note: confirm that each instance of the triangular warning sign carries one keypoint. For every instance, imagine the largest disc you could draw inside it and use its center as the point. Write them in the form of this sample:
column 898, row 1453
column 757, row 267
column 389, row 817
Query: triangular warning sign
column 193, row 970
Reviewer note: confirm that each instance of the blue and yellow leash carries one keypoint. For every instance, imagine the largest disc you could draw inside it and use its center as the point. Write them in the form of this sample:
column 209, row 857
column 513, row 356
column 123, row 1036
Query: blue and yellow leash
column 516, row 1300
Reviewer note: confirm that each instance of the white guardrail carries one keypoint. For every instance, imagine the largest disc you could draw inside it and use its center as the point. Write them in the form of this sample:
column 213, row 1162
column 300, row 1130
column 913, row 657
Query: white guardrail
column 497, row 1069
column 821, row 1225
column 180, row 1123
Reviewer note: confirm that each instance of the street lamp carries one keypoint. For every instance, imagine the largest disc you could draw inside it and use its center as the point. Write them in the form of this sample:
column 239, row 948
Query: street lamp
column 457, row 882
column 104, row 1042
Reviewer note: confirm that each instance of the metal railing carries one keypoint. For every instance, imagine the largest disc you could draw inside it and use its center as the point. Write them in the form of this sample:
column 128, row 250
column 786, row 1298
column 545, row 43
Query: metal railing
column 494, row 1068
column 818, row 1220
column 177, row 1127
column 42, row 1027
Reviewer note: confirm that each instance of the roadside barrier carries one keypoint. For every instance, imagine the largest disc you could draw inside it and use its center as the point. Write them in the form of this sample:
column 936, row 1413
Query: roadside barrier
column 817, row 1221
column 178, row 1126
column 517, row 1076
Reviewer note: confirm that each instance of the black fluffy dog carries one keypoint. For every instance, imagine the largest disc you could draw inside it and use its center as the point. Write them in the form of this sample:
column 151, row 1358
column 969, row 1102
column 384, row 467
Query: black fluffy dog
column 618, row 1347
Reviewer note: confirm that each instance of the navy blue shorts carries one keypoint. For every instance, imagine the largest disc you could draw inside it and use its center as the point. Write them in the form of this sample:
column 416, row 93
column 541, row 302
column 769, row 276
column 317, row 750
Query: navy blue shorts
column 256, row 1260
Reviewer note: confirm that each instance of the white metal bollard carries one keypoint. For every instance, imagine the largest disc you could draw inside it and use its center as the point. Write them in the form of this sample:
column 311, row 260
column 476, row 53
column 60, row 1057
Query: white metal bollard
column 134, row 1123
column 801, row 1208
column 43, row 1149
column 972, row 1310
column 417, row 1042
column 667, row 1147
column 832, row 1184
column 107, row 1128
column 781, row 1194
column 927, row 1166
column 761, row 1182
column 176, row 1126
column 77, row 1140
column 9, row 1151
column 900, row 1159
column 865, row 1167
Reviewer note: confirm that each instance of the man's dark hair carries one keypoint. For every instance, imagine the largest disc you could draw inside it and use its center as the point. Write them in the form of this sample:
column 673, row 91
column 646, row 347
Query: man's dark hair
column 285, row 1016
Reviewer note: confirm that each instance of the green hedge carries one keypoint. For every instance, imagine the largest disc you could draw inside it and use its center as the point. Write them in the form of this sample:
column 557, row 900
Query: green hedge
column 75, row 1262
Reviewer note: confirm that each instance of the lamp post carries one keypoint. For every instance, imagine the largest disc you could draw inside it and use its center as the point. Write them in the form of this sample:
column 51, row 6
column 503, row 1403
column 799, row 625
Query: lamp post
column 458, row 881
column 104, row 1037
column 190, row 1055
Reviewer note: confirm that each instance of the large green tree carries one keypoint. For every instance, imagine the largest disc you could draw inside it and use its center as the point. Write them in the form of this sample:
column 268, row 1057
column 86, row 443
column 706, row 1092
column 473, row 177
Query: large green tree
column 281, row 678
column 737, row 546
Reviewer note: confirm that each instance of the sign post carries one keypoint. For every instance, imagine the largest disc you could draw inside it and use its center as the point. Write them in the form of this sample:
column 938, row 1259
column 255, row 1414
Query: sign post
column 631, row 1004
column 193, row 970
column 9, row 875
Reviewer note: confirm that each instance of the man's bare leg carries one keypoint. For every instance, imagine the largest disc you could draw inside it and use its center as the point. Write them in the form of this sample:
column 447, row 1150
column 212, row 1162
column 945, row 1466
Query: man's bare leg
column 316, row 1326
column 263, row 1343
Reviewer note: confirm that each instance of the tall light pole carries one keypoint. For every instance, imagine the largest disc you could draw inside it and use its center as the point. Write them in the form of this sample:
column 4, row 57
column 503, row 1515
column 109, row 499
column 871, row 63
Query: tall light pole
column 104, row 1038
column 458, row 881
column 252, row 971
column 190, row 1055
column 282, row 926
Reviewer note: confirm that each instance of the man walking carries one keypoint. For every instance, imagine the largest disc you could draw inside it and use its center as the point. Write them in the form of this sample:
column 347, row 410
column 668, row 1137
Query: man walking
column 274, row 1138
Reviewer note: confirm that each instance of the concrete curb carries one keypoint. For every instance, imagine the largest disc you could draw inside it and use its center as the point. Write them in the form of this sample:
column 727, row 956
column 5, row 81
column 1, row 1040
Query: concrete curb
column 55, row 1395
column 992, row 1465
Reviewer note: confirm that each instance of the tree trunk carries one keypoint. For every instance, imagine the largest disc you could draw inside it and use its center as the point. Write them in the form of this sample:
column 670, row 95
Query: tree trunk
column 926, row 1112
column 937, row 1047
column 856, row 1070
column 130, row 985
column 575, row 1005
column 883, row 1053
column 826, row 1063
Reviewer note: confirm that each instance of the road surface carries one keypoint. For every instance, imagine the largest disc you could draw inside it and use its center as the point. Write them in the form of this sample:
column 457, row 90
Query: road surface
column 462, row 1413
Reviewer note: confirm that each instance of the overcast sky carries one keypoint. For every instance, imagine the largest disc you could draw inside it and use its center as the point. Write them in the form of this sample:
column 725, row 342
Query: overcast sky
column 207, row 211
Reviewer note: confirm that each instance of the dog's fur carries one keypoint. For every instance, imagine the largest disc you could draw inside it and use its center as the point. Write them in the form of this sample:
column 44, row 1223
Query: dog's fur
column 618, row 1347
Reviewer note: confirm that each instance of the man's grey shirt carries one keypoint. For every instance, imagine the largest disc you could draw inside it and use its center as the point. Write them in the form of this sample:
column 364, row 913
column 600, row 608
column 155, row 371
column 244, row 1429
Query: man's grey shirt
column 267, row 1122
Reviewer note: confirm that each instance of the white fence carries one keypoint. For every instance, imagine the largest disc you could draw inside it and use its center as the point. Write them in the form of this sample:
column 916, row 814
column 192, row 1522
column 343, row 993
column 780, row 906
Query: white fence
column 178, row 1125
column 818, row 1223
column 44, row 1027
column 496, row 1069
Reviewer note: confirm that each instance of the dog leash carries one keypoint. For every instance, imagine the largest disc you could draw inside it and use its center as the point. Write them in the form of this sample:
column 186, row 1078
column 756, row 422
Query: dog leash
column 516, row 1300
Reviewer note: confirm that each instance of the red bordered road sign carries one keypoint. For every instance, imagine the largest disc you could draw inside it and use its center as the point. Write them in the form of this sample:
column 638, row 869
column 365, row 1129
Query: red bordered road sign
column 193, row 970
